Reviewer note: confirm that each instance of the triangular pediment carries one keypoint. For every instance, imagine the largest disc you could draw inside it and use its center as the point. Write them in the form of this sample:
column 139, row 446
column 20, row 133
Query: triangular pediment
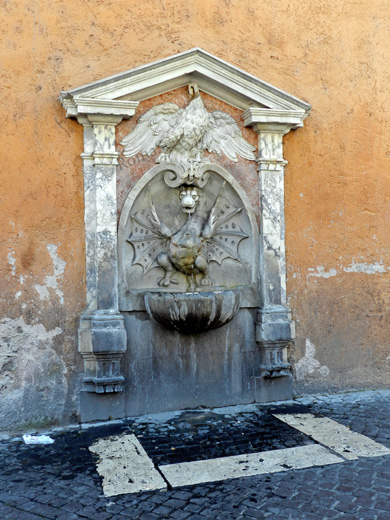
column 213, row 76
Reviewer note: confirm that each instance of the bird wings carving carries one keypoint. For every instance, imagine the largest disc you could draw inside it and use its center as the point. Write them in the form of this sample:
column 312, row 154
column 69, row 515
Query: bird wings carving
column 152, row 128
column 224, row 136
column 184, row 134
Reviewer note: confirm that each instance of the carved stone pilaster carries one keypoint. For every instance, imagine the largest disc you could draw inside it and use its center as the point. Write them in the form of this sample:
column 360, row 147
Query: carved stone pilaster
column 102, row 337
column 274, row 332
column 274, row 328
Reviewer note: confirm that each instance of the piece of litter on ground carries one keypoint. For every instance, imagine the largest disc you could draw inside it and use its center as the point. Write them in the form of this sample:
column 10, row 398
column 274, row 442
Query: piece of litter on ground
column 37, row 439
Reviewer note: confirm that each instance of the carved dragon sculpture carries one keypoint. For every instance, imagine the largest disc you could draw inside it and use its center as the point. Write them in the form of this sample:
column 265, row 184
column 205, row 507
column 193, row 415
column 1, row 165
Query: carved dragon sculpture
column 189, row 249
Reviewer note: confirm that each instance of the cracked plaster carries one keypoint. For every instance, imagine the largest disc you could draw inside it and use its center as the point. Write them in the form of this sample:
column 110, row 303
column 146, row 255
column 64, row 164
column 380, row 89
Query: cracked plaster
column 33, row 379
column 308, row 365
column 354, row 267
column 51, row 281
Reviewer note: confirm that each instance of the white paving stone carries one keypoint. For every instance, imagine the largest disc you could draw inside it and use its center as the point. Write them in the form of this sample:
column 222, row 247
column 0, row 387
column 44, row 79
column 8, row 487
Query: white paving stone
column 211, row 470
column 125, row 466
column 334, row 435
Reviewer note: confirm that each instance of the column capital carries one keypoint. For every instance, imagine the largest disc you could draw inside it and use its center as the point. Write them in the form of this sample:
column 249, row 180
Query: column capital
column 275, row 121
column 85, row 109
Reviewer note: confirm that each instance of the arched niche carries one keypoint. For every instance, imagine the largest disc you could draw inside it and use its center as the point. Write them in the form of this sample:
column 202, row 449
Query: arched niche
column 161, row 187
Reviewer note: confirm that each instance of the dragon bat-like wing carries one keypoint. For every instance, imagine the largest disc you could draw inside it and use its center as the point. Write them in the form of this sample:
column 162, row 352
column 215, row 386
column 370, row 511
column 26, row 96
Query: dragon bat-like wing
column 149, row 236
column 222, row 233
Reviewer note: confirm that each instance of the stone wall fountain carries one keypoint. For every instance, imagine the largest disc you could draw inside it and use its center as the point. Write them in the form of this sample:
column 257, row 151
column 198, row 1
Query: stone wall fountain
column 186, row 298
column 206, row 226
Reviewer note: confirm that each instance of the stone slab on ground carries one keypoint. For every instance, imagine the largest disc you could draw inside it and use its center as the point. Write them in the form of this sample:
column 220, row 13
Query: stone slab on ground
column 224, row 468
column 60, row 481
column 125, row 467
column 339, row 438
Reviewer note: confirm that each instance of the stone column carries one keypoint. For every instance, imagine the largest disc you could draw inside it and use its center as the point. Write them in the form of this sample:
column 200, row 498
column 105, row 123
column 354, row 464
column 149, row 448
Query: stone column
column 102, row 336
column 274, row 328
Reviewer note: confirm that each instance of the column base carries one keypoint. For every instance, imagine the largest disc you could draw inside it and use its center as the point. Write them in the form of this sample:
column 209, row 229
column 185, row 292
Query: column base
column 102, row 343
column 275, row 331
column 277, row 389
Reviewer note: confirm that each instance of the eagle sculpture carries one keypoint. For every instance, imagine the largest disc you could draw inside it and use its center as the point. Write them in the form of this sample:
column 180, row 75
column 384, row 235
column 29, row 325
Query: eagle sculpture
column 184, row 134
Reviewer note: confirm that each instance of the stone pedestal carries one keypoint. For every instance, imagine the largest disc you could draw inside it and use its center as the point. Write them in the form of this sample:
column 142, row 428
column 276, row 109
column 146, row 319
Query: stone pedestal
column 102, row 343
column 274, row 332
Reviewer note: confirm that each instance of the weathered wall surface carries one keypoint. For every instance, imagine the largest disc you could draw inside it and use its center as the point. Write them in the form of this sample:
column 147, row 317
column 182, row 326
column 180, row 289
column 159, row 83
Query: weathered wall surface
column 333, row 55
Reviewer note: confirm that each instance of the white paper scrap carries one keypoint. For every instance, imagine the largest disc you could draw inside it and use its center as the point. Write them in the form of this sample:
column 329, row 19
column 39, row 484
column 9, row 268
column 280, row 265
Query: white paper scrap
column 37, row 439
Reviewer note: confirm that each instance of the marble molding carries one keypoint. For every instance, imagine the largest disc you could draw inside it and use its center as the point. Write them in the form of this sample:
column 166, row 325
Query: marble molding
column 100, row 107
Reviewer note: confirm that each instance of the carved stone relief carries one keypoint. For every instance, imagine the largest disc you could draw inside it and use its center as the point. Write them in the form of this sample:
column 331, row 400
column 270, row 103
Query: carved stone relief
column 187, row 238
column 183, row 135
column 187, row 226
column 202, row 239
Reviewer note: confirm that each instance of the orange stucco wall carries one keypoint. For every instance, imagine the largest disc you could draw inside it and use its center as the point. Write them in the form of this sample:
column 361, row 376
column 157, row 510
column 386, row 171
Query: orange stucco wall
column 332, row 55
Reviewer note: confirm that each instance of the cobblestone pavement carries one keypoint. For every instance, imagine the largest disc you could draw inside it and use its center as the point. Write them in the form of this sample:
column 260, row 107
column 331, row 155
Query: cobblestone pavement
column 60, row 481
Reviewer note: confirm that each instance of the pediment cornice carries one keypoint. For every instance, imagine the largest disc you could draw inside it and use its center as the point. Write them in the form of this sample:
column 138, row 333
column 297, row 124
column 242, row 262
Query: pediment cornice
column 122, row 93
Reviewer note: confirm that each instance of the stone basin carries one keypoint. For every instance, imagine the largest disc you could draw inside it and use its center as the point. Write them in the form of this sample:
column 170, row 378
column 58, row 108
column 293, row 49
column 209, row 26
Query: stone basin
column 192, row 312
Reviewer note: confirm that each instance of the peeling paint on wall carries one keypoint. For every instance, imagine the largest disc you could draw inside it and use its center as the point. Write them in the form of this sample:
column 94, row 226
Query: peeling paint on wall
column 366, row 268
column 33, row 380
column 51, row 281
column 354, row 267
column 12, row 262
column 309, row 365
column 321, row 273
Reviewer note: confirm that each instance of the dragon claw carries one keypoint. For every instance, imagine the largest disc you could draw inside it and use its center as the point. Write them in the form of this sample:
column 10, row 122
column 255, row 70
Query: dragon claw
column 164, row 282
